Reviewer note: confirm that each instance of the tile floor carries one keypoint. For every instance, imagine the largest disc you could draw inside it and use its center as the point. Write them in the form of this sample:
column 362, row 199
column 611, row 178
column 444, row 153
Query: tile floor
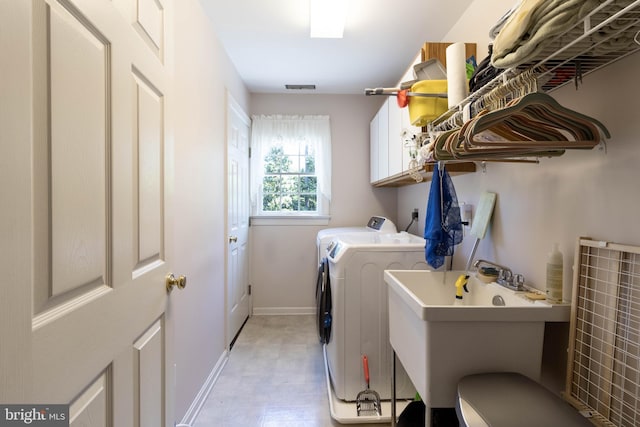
column 274, row 378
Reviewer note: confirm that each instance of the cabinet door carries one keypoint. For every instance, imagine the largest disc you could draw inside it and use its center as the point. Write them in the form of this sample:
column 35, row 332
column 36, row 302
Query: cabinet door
column 373, row 136
column 383, row 141
column 396, row 145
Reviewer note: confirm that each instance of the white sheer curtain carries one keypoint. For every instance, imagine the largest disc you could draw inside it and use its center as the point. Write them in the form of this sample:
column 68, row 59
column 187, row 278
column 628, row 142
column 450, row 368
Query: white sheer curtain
column 314, row 129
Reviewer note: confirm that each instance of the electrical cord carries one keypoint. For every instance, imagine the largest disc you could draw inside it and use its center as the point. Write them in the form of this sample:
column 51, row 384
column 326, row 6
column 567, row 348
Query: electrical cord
column 410, row 224
column 414, row 218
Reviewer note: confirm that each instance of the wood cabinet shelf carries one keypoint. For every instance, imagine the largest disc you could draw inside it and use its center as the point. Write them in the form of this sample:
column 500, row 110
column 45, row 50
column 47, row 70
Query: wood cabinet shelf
column 403, row 178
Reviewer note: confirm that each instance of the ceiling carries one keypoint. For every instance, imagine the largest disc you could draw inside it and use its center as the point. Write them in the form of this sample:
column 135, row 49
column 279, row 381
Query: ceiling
column 268, row 42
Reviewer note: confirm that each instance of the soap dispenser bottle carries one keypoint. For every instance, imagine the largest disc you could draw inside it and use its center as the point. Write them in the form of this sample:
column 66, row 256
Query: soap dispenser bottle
column 554, row 275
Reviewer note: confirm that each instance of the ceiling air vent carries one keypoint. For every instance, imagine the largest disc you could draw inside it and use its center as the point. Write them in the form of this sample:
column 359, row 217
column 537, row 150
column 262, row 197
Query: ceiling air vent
column 292, row 87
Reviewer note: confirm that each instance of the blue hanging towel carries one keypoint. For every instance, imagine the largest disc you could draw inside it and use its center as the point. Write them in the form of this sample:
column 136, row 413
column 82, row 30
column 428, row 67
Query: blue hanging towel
column 443, row 226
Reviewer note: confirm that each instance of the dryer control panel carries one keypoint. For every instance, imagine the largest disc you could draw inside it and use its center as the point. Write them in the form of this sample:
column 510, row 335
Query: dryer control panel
column 379, row 223
column 334, row 249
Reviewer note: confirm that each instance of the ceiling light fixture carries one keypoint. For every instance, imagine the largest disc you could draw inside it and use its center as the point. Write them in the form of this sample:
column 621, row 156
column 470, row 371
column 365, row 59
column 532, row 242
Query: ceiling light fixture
column 327, row 18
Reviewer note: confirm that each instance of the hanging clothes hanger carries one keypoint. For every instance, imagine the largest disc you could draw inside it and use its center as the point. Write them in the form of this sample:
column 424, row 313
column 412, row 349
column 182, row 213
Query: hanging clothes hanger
column 534, row 125
column 535, row 120
column 514, row 121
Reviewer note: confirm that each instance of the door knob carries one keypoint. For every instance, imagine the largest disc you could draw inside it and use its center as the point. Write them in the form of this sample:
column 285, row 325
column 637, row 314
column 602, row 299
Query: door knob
column 233, row 239
column 171, row 281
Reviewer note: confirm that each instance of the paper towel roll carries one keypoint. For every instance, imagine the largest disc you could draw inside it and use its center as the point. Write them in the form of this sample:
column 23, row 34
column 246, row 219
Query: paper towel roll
column 456, row 74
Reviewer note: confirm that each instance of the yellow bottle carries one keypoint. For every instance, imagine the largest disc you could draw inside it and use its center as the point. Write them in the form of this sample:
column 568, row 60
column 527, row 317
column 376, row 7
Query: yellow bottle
column 461, row 284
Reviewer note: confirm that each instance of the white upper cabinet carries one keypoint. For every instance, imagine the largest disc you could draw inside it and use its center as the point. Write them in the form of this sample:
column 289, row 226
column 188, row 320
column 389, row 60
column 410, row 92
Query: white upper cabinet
column 389, row 154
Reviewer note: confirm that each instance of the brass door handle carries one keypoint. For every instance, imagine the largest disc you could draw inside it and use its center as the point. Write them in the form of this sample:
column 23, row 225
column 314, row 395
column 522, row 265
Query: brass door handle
column 233, row 239
column 171, row 281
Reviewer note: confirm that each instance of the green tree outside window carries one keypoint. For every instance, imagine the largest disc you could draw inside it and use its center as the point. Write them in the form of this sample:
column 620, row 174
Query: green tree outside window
column 290, row 183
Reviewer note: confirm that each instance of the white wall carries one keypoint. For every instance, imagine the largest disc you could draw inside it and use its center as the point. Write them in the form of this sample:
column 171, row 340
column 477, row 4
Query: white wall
column 283, row 258
column 582, row 193
column 201, row 73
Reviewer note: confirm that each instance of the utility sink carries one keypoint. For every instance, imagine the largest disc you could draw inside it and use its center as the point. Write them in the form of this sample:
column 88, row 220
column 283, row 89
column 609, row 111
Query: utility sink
column 431, row 296
column 440, row 339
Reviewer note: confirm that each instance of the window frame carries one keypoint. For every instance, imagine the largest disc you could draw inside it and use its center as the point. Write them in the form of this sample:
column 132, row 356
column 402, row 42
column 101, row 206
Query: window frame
column 301, row 145
column 314, row 131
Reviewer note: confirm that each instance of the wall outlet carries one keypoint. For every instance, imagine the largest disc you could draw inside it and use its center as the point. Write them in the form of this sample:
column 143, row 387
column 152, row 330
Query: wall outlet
column 414, row 214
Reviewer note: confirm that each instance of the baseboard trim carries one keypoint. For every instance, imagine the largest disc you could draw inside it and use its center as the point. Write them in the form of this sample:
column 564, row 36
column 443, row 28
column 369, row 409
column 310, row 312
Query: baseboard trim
column 278, row 311
column 197, row 404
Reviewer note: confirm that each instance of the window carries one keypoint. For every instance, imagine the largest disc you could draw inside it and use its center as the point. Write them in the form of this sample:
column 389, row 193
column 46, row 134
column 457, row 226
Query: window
column 290, row 165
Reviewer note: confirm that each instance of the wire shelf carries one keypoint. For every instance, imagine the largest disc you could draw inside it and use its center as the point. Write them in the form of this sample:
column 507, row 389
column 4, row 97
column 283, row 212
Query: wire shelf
column 609, row 33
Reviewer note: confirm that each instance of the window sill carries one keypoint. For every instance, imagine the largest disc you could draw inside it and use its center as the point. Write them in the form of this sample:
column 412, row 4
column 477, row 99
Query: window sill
column 290, row 220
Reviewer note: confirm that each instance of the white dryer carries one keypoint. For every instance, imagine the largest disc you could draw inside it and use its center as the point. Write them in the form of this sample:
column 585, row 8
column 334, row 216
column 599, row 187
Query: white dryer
column 376, row 224
column 359, row 306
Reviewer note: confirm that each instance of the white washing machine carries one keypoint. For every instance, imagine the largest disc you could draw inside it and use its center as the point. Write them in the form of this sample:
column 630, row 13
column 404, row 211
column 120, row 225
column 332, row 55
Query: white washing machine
column 377, row 224
column 359, row 306
column 324, row 239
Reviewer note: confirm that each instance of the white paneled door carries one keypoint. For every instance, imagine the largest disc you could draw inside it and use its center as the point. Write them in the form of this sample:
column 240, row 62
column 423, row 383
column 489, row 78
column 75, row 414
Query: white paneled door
column 238, row 127
column 83, row 153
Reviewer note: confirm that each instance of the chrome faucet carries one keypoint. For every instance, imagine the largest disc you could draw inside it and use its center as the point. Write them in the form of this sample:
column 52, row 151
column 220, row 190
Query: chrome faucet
column 506, row 277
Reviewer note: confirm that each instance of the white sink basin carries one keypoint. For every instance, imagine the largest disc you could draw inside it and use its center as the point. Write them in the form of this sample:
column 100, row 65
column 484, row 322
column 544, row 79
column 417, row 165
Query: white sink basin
column 431, row 296
column 440, row 339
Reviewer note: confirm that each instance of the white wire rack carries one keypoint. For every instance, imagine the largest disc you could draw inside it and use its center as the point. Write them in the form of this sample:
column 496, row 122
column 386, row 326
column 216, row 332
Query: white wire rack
column 603, row 375
column 609, row 33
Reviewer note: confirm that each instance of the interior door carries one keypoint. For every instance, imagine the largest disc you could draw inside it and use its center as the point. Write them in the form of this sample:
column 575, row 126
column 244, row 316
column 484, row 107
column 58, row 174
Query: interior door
column 238, row 127
column 87, row 297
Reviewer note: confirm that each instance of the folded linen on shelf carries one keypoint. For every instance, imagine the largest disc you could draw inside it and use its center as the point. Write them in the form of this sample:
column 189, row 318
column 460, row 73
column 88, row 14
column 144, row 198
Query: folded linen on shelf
column 484, row 73
column 493, row 32
column 533, row 25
